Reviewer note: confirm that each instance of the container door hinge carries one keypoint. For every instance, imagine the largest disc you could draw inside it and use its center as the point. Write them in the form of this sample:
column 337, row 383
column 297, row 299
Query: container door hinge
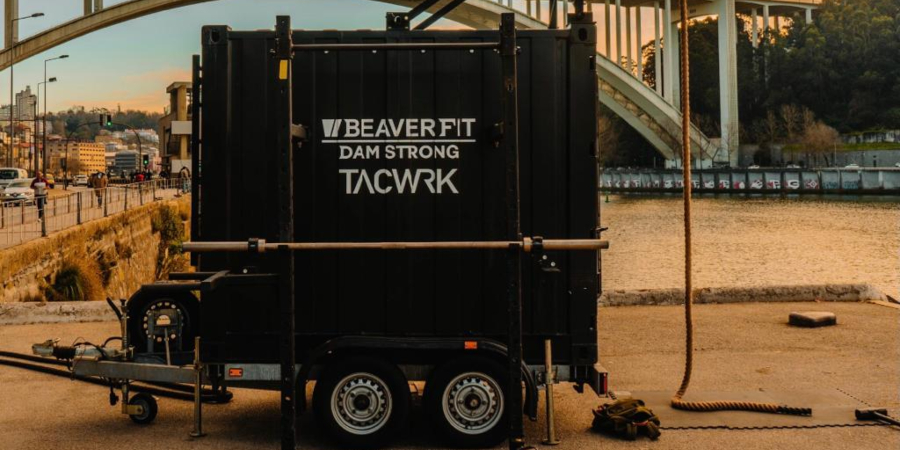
column 497, row 134
column 299, row 133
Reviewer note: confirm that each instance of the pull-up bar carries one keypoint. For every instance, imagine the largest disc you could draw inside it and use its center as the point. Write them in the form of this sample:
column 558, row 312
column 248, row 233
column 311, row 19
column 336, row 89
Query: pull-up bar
column 526, row 244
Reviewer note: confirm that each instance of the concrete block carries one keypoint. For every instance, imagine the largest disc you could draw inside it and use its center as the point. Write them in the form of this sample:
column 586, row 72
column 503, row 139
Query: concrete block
column 812, row 319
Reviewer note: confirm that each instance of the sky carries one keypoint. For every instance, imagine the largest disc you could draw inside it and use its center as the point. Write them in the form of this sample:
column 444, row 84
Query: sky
column 130, row 64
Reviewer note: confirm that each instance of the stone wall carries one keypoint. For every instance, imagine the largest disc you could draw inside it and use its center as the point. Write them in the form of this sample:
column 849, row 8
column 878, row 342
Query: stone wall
column 121, row 249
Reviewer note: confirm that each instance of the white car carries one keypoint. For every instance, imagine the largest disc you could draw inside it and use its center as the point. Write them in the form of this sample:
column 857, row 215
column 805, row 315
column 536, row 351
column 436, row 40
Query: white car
column 80, row 180
column 753, row 167
column 792, row 166
column 897, row 165
column 10, row 174
column 852, row 166
column 18, row 191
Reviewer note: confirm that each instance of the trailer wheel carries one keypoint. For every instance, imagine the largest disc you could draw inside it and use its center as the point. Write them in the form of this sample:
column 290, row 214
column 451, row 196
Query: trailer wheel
column 362, row 401
column 149, row 406
column 465, row 400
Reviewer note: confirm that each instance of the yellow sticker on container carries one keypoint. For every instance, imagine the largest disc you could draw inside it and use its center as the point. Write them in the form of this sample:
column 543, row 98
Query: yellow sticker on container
column 283, row 70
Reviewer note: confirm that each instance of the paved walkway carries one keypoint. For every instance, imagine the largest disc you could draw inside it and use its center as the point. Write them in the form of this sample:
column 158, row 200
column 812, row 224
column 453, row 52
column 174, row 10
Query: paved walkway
column 739, row 348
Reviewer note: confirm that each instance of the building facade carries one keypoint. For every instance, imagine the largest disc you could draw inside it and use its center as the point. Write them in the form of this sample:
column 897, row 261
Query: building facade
column 175, row 128
column 82, row 157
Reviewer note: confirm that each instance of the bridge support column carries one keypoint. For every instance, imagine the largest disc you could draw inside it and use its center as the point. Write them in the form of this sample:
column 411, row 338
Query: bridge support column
column 657, row 61
column 98, row 5
column 608, row 31
column 671, row 54
column 808, row 16
column 639, row 61
column 754, row 32
column 618, row 59
column 728, row 87
column 629, row 63
column 88, row 7
column 765, row 27
column 11, row 29
column 675, row 59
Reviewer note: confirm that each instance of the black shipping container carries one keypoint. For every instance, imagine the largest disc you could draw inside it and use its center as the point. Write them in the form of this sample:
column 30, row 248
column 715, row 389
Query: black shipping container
column 400, row 146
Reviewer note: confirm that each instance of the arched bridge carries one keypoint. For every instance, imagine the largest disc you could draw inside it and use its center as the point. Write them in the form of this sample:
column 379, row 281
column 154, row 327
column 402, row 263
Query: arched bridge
column 647, row 110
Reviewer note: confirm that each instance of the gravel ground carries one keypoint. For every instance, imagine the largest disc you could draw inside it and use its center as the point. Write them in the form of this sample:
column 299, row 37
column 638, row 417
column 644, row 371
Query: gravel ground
column 739, row 348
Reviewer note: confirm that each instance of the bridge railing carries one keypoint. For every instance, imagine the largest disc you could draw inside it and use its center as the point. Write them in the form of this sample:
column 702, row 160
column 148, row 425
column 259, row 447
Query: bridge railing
column 26, row 220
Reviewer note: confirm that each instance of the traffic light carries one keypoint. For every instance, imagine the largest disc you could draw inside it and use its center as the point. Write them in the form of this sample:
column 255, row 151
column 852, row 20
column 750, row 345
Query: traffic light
column 106, row 120
column 109, row 120
column 145, row 160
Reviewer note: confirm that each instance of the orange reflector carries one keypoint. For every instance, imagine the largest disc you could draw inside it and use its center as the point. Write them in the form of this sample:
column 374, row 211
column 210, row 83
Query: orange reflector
column 471, row 345
column 236, row 372
column 283, row 69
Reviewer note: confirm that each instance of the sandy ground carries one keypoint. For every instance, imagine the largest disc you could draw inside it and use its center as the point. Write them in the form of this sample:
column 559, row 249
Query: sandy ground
column 739, row 348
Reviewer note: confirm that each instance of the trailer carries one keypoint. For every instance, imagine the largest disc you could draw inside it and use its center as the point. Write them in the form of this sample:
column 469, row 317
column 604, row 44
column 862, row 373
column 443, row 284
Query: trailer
column 376, row 208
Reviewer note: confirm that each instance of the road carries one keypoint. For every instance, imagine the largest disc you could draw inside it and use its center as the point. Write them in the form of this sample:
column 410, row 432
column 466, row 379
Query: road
column 739, row 348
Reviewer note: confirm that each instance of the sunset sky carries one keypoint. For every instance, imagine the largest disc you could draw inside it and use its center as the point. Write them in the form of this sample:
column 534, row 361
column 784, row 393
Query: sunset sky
column 130, row 64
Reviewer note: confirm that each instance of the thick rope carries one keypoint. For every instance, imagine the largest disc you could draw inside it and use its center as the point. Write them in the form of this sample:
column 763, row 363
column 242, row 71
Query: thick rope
column 677, row 401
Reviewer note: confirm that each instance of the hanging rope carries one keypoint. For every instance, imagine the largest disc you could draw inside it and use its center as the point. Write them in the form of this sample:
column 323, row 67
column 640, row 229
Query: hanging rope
column 677, row 401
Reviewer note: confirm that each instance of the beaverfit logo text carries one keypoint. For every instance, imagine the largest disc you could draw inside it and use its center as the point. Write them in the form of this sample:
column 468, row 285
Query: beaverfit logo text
column 406, row 139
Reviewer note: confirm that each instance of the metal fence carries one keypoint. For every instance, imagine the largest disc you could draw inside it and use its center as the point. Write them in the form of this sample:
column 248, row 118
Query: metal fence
column 25, row 220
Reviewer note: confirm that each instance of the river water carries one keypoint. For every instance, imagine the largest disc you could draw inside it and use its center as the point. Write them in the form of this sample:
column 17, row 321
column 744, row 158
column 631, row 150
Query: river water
column 755, row 241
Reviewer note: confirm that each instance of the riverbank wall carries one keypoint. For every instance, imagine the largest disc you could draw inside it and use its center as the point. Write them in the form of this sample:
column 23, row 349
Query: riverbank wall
column 770, row 180
column 861, row 292
column 108, row 257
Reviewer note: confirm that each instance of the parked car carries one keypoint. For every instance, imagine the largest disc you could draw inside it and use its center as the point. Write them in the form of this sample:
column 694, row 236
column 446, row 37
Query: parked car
column 792, row 166
column 80, row 180
column 17, row 191
column 753, row 167
column 852, row 166
column 897, row 164
column 10, row 174
column 51, row 181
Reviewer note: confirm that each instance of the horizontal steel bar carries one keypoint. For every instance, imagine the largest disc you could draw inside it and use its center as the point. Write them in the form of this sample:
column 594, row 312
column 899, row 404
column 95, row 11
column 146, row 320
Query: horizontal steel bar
column 134, row 371
column 526, row 244
column 166, row 288
column 399, row 46
column 187, row 276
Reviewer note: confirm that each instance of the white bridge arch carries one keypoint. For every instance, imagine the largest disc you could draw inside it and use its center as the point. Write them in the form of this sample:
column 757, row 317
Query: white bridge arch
column 643, row 108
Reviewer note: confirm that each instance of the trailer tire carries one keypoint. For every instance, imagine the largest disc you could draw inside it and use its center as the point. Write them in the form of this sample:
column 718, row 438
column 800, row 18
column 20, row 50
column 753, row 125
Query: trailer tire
column 465, row 400
column 362, row 401
column 148, row 403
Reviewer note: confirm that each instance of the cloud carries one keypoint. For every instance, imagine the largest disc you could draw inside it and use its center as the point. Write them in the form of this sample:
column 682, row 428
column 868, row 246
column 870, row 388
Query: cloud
column 165, row 76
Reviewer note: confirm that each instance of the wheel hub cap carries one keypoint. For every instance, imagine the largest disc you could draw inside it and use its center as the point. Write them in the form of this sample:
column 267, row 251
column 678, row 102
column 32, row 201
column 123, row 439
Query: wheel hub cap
column 473, row 403
column 361, row 403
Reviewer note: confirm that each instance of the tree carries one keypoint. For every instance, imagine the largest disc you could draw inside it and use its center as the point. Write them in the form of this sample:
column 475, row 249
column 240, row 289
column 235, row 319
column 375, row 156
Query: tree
column 608, row 140
column 820, row 139
column 73, row 166
column 791, row 120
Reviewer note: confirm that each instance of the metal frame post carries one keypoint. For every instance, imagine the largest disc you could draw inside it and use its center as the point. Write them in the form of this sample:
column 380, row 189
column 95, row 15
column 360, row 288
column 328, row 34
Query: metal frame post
column 510, row 108
column 549, row 379
column 283, row 55
column 78, row 208
column 198, row 388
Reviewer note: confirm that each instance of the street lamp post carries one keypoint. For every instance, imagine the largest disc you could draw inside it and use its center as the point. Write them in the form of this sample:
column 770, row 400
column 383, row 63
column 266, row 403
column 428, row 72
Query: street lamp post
column 12, row 98
column 44, row 140
column 44, row 122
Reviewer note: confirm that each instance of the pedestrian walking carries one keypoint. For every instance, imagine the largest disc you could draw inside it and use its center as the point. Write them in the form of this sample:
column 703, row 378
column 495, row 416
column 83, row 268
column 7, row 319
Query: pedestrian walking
column 39, row 185
column 100, row 184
